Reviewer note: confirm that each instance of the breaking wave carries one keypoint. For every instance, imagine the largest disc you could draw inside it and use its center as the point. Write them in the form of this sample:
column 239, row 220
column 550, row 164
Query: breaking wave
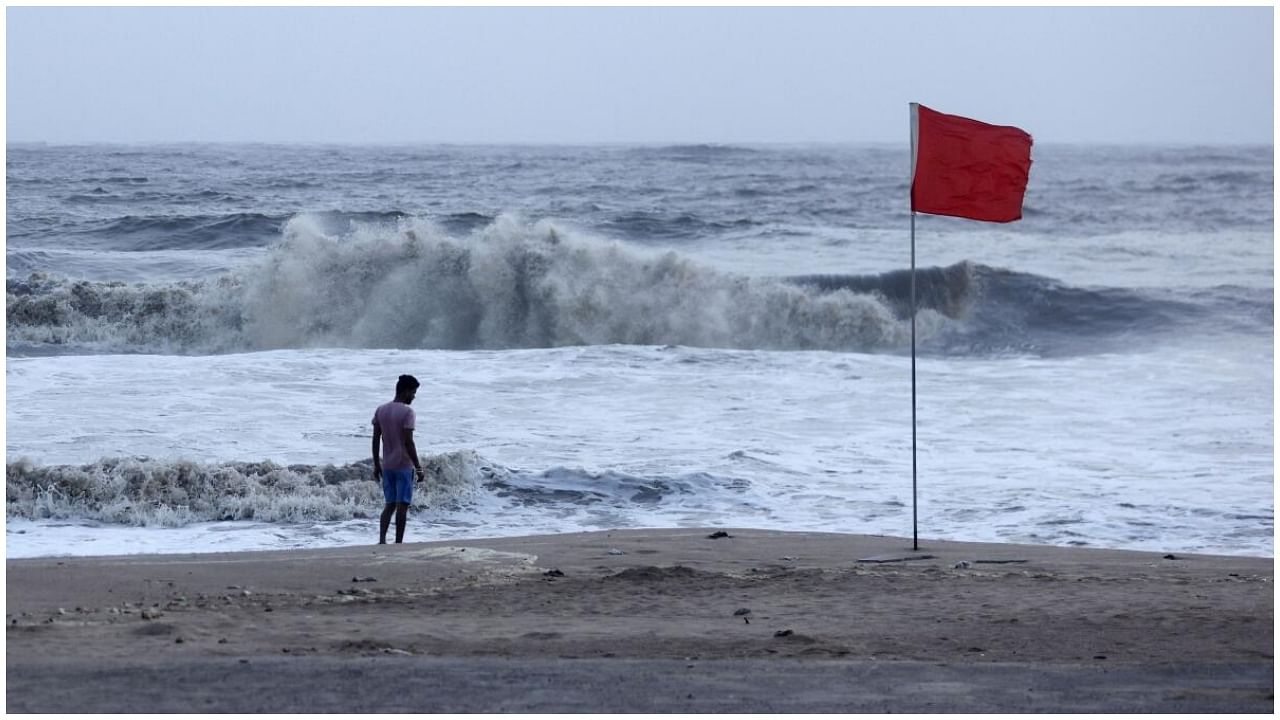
column 141, row 491
column 172, row 493
column 401, row 282
column 506, row 285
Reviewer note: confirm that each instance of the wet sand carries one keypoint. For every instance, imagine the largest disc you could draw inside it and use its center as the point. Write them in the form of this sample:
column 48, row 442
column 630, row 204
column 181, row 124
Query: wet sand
column 644, row 620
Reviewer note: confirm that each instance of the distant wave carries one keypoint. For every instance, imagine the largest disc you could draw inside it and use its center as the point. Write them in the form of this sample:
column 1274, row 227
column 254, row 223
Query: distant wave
column 138, row 233
column 642, row 225
column 186, row 232
column 1184, row 183
column 150, row 492
column 1000, row 311
column 465, row 222
column 695, row 152
column 101, row 196
column 337, row 282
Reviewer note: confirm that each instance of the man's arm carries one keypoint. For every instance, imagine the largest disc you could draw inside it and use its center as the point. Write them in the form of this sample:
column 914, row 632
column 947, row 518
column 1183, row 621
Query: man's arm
column 413, row 450
column 377, row 462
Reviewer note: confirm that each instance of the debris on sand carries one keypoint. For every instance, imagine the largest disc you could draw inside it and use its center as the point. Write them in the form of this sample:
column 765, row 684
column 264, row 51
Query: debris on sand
column 893, row 557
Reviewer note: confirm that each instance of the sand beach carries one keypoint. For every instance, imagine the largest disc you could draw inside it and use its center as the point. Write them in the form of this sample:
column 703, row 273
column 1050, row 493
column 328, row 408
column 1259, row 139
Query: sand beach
column 688, row 620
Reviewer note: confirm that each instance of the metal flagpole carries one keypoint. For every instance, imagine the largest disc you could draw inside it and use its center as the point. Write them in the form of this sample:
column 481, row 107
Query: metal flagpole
column 915, row 534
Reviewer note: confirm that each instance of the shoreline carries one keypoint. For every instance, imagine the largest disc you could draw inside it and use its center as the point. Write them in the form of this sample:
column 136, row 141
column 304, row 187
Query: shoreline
column 873, row 539
column 160, row 546
column 772, row 599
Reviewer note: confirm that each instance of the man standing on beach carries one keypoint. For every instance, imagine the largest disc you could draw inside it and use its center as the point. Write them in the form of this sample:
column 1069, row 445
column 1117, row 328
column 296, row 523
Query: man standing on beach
column 393, row 425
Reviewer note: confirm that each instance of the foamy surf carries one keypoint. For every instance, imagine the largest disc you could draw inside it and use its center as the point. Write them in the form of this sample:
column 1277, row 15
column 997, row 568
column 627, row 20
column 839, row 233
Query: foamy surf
column 147, row 492
column 574, row 439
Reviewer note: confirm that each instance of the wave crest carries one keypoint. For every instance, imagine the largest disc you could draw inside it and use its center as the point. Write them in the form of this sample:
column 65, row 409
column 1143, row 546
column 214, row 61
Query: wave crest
column 173, row 493
column 141, row 491
column 508, row 284
column 408, row 283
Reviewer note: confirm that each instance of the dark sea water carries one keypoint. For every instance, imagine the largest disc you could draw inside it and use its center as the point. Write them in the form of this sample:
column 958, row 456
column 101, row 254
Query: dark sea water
column 632, row 335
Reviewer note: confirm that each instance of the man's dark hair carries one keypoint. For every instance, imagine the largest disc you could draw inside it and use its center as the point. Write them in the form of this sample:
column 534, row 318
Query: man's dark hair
column 406, row 383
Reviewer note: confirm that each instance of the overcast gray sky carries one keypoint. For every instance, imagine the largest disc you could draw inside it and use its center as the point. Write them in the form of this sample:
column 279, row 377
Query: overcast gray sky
column 589, row 75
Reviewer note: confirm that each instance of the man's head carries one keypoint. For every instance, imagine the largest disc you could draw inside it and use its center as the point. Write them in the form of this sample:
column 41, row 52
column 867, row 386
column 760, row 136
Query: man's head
column 406, row 388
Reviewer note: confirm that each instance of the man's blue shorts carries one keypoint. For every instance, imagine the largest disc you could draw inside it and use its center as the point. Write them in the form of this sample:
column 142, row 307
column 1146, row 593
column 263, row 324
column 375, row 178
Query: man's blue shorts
column 397, row 485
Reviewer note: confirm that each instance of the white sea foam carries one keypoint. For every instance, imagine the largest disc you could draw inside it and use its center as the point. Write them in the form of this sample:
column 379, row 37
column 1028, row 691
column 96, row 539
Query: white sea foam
column 618, row 436
column 142, row 491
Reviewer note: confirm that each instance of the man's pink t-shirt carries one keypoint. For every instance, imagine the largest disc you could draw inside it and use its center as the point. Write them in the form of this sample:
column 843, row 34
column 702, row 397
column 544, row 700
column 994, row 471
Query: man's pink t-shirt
column 394, row 418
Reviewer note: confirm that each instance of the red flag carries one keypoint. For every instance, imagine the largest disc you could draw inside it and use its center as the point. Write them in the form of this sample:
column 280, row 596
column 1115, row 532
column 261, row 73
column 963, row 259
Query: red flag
column 966, row 168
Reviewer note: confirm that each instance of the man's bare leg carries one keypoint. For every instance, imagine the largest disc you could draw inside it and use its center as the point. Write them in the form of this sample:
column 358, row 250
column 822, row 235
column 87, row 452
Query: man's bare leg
column 384, row 522
column 402, row 517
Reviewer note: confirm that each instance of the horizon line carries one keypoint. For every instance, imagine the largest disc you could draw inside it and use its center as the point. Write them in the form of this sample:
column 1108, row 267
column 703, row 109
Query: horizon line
column 608, row 143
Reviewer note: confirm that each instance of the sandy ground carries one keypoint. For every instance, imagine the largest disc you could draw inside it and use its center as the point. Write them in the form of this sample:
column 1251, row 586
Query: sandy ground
column 644, row 620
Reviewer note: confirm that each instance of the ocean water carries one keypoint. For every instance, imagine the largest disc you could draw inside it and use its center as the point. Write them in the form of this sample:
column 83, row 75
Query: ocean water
column 633, row 336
